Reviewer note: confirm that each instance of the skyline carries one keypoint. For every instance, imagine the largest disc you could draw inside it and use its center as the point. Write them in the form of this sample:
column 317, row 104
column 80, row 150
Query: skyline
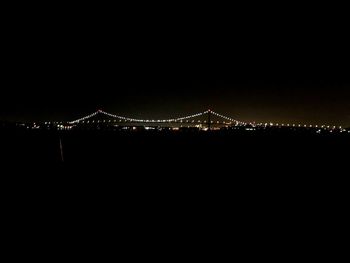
column 179, row 116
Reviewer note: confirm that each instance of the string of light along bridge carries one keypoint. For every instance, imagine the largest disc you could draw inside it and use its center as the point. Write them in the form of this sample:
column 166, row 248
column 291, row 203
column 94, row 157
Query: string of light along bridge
column 179, row 119
column 192, row 116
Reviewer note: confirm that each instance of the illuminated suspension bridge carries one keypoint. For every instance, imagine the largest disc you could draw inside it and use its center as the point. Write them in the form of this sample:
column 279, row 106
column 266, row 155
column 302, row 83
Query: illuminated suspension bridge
column 206, row 119
column 193, row 120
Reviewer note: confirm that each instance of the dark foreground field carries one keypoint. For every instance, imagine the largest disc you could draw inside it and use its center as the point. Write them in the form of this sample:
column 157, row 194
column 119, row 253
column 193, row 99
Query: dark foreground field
column 222, row 191
column 152, row 150
column 178, row 157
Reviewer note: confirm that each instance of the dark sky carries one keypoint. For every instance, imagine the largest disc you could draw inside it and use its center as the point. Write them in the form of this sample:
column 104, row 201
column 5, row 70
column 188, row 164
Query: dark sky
column 61, row 62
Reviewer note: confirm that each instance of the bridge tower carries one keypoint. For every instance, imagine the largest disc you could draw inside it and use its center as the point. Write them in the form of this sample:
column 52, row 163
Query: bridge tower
column 209, row 121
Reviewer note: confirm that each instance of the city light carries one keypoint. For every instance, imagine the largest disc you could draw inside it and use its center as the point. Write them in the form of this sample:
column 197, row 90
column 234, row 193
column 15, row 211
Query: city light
column 191, row 119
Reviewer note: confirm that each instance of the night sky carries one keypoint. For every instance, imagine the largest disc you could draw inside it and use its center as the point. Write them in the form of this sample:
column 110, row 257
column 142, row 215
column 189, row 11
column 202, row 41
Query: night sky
column 66, row 62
